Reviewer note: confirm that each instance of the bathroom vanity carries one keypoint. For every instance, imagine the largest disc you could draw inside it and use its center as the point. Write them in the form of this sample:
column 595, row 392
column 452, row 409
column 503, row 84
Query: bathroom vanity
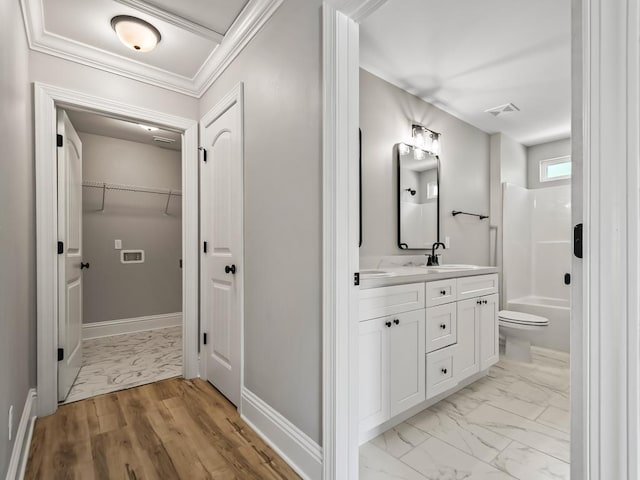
column 423, row 334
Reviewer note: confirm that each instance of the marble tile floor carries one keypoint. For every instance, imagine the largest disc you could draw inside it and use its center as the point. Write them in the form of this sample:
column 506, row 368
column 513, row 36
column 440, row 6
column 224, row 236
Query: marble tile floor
column 512, row 424
column 125, row 361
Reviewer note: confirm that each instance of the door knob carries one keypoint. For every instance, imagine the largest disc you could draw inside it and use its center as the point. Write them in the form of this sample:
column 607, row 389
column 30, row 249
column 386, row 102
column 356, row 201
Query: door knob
column 230, row 269
column 84, row 265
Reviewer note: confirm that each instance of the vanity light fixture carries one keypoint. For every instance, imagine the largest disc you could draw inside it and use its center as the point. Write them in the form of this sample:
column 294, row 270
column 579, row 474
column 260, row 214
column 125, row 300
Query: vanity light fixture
column 425, row 139
column 135, row 33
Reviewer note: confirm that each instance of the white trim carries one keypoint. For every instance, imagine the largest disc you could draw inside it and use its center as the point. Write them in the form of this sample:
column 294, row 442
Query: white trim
column 173, row 19
column 340, row 244
column 22, row 443
column 356, row 10
column 110, row 328
column 235, row 95
column 47, row 99
column 241, row 32
column 292, row 444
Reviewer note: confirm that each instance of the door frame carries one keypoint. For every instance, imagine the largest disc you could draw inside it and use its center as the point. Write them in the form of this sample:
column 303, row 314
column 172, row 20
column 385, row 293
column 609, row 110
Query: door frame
column 235, row 96
column 47, row 99
column 605, row 425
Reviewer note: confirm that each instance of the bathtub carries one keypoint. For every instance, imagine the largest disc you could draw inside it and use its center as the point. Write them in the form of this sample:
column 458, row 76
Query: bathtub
column 557, row 310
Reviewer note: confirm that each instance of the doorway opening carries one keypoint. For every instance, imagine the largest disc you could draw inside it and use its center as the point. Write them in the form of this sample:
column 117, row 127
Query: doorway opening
column 120, row 305
column 49, row 101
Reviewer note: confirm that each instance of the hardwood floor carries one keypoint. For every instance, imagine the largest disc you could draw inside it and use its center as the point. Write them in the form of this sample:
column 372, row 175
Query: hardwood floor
column 174, row 429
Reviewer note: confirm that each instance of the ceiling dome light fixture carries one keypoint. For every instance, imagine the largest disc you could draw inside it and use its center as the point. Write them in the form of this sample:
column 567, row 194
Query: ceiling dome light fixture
column 135, row 33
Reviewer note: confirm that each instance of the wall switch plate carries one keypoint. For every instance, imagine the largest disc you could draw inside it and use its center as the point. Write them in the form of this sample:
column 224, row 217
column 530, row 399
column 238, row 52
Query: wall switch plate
column 447, row 242
column 118, row 244
column 10, row 422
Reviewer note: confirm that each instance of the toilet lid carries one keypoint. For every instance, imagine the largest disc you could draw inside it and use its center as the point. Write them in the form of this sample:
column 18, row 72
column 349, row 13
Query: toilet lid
column 509, row 316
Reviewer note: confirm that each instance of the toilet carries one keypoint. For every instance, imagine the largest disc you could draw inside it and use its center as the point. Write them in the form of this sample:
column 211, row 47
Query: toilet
column 516, row 327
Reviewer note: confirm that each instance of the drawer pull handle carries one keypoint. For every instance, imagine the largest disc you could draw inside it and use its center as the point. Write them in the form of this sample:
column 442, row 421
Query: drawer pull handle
column 396, row 321
column 388, row 324
column 444, row 371
column 443, row 326
column 443, row 292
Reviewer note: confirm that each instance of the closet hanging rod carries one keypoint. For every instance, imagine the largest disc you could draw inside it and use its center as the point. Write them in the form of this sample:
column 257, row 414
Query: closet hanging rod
column 131, row 188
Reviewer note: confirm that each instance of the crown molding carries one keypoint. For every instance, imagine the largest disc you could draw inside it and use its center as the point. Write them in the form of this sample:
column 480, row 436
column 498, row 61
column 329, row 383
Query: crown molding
column 356, row 10
column 244, row 28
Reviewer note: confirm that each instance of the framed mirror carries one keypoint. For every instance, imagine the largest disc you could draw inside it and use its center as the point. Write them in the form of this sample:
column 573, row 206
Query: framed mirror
column 418, row 198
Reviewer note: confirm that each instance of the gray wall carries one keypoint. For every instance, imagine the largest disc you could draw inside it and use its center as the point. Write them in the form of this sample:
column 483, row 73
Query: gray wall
column 545, row 151
column 17, row 226
column 508, row 165
column 282, row 75
column 113, row 290
column 386, row 113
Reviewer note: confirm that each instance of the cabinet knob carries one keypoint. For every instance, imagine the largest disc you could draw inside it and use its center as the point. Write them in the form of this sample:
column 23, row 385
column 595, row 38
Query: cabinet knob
column 230, row 269
column 479, row 302
column 443, row 326
column 444, row 371
column 396, row 321
column 443, row 292
column 388, row 324
column 484, row 301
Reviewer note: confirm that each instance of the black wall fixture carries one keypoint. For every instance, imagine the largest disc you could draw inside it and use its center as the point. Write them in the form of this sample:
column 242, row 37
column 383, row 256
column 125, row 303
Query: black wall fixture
column 360, row 175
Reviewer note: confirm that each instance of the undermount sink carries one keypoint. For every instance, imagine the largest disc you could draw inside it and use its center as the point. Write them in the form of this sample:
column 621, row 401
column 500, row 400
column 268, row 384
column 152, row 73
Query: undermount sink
column 455, row 267
column 371, row 272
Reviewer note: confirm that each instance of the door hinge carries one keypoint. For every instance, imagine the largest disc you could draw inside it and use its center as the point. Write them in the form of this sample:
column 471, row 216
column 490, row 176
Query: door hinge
column 204, row 154
column 577, row 240
column 204, row 247
column 60, row 354
column 356, row 278
column 59, row 140
column 204, row 338
column 60, row 248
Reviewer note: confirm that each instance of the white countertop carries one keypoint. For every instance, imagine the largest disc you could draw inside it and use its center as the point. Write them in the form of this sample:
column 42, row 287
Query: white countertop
column 413, row 274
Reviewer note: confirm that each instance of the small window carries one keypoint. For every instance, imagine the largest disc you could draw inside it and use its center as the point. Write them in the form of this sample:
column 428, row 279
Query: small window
column 555, row 169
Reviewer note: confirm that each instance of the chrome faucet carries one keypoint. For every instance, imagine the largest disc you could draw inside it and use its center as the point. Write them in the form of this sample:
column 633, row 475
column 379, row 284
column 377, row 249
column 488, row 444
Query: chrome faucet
column 432, row 259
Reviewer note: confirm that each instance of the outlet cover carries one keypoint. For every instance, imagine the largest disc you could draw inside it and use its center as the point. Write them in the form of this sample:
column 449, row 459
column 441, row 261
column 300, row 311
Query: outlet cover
column 118, row 244
column 447, row 242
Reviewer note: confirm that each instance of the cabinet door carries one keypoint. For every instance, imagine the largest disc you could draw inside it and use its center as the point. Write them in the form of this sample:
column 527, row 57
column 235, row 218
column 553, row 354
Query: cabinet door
column 489, row 335
column 441, row 326
column 406, row 361
column 467, row 355
column 373, row 373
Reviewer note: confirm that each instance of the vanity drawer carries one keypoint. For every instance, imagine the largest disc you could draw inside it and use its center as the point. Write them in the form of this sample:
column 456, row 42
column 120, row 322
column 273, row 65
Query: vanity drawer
column 440, row 375
column 440, row 292
column 379, row 302
column 471, row 287
column 441, row 326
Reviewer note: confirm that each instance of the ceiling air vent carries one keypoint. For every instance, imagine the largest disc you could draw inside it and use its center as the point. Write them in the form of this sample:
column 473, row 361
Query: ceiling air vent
column 163, row 139
column 499, row 110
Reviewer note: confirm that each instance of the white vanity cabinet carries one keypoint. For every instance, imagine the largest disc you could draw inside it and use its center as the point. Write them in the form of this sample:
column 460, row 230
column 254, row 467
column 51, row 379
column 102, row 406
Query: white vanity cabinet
column 391, row 350
column 419, row 340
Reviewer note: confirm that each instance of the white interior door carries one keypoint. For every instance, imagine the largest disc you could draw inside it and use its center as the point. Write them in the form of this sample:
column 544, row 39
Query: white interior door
column 70, row 255
column 221, row 230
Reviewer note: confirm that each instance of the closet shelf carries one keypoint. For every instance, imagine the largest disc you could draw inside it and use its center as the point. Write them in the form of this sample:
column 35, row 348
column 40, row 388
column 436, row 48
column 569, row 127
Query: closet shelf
column 132, row 188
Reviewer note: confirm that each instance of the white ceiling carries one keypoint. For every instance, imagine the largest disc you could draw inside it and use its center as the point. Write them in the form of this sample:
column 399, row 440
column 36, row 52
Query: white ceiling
column 216, row 15
column 200, row 38
column 115, row 128
column 467, row 56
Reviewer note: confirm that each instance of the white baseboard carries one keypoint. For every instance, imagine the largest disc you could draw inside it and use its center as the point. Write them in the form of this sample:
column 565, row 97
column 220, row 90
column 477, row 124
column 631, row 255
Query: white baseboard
column 294, row 446
column 130, row 325
column 20, row 453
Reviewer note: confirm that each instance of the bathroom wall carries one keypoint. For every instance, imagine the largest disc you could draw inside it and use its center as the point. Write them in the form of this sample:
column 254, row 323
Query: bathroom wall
column 17, row 228
column 113, row 290
column 386, row 113
column 508, row 165
column 282, row 73
column 545, row 151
